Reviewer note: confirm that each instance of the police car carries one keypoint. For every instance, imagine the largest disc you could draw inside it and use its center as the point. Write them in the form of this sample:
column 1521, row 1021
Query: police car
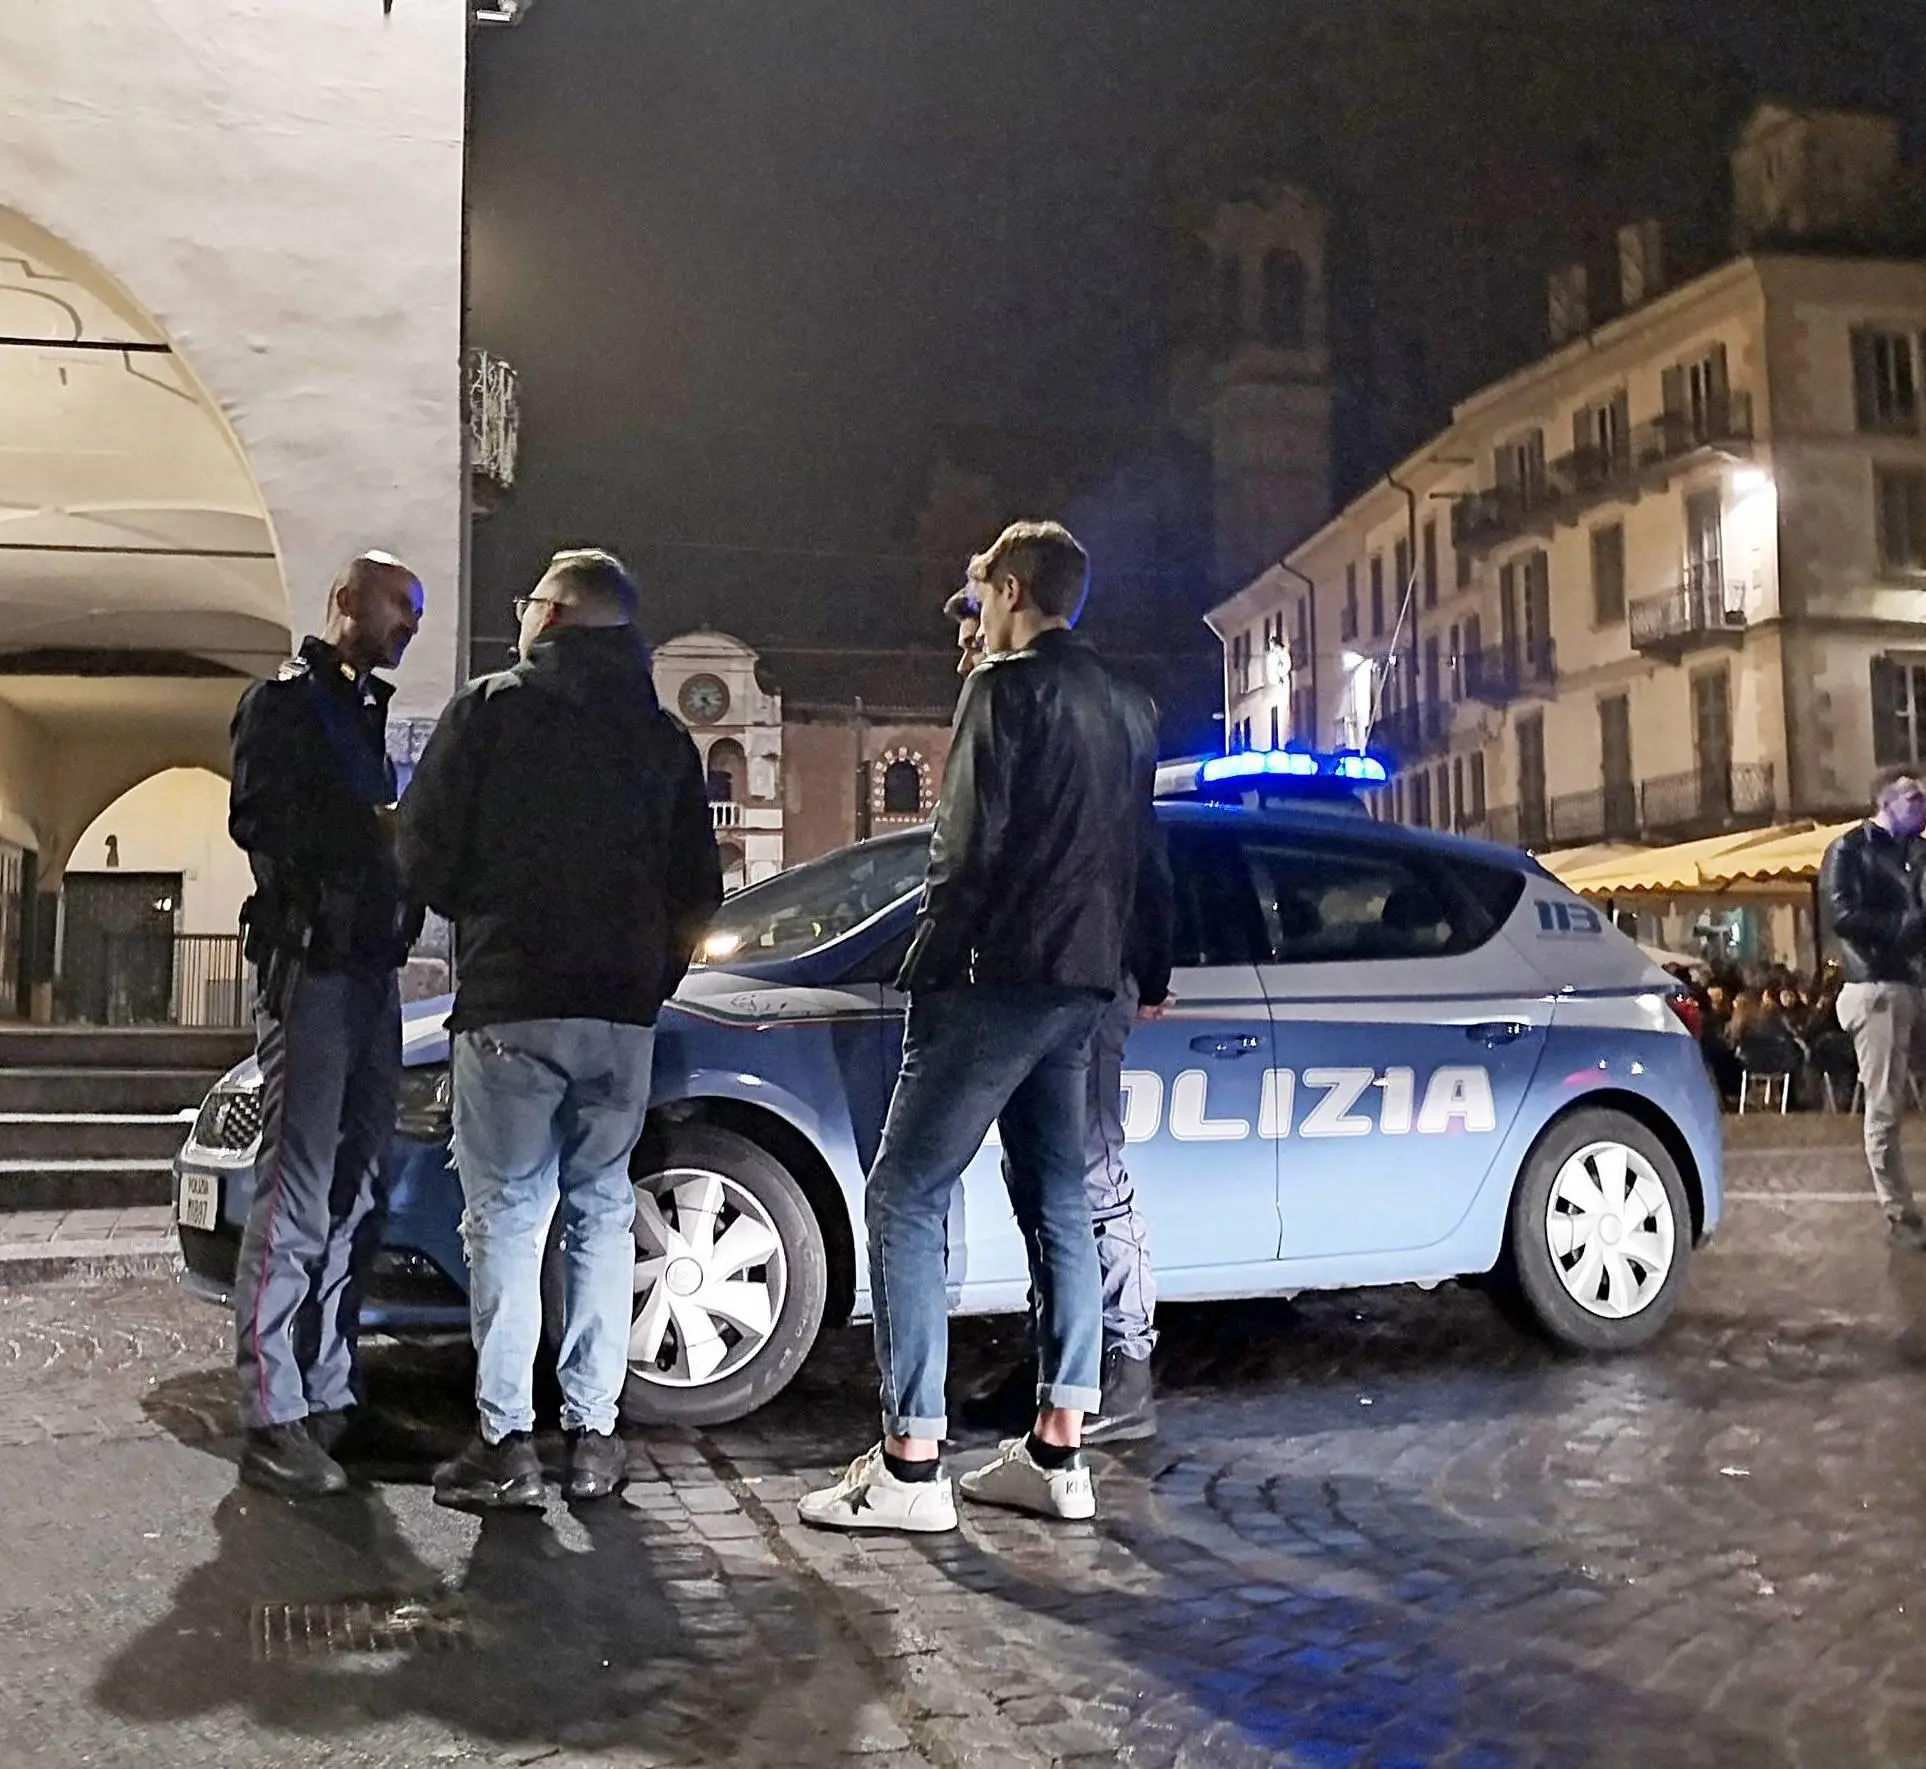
column 1393, row 1057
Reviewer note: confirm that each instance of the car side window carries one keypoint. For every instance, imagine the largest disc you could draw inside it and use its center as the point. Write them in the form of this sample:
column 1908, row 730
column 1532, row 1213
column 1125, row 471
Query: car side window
column 1351, row 903
column 1217, row 919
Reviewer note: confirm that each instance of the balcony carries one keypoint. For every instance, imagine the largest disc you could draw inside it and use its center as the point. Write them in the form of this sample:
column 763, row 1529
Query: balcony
column 1705, row 609
column 724, row 815
column 1720, row 426
column 1501, row 674
column 1707, row 800
column 1414, row 732
column 1610, row 814
column 494, row 428
column 1499, row 824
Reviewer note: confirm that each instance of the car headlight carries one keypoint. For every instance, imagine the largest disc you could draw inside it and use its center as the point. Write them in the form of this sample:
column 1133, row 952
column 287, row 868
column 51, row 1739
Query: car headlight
column 424, row 1108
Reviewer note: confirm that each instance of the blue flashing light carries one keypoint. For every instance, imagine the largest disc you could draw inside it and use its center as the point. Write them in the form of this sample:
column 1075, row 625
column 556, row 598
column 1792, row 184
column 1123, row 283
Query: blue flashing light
column 1302, row 764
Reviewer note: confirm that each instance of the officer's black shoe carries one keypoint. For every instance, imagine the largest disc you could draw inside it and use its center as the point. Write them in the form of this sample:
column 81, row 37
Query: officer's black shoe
column 330, row 1430
column 486, row 1476
column 285, row 1460
column 1129, row 1410
column 598, row 1465
column 1006, row 1403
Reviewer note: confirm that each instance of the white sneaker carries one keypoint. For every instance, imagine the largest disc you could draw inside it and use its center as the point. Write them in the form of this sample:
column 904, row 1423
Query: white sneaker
column 1017, row 1480
column 870, row 1497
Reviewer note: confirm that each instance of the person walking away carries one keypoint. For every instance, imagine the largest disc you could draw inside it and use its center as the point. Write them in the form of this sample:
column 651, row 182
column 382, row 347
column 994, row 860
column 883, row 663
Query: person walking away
column 1869, row 889
column 1128, row 1410
column 559, row 818
column 1042, row 829
column 327, row 929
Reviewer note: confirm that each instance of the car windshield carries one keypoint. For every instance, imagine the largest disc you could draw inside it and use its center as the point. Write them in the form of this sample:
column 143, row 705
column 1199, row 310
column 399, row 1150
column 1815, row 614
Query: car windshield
column 799, row 910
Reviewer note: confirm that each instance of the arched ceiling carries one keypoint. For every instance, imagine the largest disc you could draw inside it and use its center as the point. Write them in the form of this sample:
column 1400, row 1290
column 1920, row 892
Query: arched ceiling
column 128, row 519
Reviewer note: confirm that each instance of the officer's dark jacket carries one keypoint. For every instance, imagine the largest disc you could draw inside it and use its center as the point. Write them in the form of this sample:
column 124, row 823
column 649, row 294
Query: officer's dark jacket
column 310, row 768
column 560, row 818
column 1046, row 862
column 1869, row 889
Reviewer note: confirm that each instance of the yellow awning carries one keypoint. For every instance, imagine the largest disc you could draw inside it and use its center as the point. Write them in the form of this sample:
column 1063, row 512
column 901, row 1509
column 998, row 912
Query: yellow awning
column 1792, row 859
column 1562, row 865
column 1688, row 869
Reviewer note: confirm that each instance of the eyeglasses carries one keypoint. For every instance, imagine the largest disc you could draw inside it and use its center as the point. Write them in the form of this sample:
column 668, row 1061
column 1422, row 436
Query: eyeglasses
column 523, row 604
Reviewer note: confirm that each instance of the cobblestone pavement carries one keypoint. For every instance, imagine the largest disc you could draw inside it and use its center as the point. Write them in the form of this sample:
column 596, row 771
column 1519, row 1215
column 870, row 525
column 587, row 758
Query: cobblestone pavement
column 1380, row 1529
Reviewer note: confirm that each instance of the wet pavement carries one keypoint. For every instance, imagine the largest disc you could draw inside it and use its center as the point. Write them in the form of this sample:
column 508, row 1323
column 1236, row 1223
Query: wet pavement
column 1379, row 1529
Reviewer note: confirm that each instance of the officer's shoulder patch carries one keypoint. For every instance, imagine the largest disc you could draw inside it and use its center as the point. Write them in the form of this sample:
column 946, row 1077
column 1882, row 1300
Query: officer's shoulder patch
column 294, row 670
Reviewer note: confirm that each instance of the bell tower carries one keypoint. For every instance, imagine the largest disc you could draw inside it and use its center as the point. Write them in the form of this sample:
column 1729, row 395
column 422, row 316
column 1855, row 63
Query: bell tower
column 1251, row 381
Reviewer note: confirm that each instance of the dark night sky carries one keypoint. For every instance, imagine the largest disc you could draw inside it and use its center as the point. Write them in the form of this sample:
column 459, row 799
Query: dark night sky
column 748, row 254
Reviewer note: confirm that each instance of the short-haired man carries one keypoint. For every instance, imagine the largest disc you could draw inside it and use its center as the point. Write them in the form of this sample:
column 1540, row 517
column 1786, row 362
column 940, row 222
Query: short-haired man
column 559, row 819
column 1128, row 1412
column 1041, row 832
column 1869, row 886
column 326, row 929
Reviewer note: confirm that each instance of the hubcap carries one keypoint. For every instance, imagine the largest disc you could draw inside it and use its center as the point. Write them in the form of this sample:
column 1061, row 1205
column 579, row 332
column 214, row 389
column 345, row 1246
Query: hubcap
column 710, row 1277
column 1608, row 1224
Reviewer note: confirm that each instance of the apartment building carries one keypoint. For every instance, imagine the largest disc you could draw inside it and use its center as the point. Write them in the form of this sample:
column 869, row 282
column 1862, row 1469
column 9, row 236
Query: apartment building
column 1668, row 580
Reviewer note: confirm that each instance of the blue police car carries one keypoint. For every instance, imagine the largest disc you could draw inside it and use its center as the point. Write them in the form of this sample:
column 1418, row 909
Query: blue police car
column 1393, row 1057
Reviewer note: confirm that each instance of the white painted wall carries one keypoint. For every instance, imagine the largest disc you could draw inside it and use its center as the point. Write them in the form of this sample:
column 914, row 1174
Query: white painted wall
column 280, row 186
column 176, row 822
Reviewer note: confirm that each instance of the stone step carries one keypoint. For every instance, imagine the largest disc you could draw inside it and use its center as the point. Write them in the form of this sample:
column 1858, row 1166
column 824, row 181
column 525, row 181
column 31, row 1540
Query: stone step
column 83, row 1183
column 39, row 1091
column 92, row 1136
column 39, row 1245
column 112, row 1047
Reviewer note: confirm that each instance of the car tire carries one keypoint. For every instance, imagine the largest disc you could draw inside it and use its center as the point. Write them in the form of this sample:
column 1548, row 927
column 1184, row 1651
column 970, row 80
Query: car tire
column 706, row 1164
column 1600, row 1235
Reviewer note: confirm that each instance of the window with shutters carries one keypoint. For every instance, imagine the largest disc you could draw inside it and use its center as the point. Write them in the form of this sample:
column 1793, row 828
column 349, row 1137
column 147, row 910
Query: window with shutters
column 1444, row 795
column 1477, row 774
column 1608, row 574
column 1458, row 792
column 1431, row 564
column 1464, row 570
column 1348, row 621
column 1531, row 781
column 1602, row 435
column 1455, row 664
column 1537, row 609
column 1519, row 466
column 1898, row 712
column 1697, row 397
column 1900, row 496
column 1401, row 577
column 1377, row 595
column 1885, row 380
column 1276, row 742
column 1421, row 798
column 1303, row 648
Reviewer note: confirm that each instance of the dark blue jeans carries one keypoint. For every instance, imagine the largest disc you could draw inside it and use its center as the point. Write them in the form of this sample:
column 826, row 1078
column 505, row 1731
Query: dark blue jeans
column 1017, row 1058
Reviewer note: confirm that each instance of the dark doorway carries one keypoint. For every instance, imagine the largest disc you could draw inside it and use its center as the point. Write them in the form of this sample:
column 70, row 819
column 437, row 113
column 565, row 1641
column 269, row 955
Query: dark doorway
column 117, row 947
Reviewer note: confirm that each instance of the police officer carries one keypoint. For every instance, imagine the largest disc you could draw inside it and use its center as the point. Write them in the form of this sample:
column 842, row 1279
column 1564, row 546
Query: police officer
column 326, row 928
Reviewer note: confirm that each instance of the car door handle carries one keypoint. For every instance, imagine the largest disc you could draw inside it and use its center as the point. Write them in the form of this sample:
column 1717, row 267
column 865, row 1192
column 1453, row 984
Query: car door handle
column 1243, row 1044
column 1497, row 1032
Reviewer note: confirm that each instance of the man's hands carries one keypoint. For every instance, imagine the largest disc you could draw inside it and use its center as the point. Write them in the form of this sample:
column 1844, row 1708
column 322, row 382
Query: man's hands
column 1156, row 1011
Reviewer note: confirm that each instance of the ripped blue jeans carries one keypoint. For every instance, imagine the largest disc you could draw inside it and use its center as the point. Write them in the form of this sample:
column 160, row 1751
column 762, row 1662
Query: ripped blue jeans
column 547, row 1116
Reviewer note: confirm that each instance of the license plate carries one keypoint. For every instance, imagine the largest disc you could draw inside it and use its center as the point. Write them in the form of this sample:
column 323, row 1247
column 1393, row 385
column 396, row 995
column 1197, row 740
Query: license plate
column 200, row 1201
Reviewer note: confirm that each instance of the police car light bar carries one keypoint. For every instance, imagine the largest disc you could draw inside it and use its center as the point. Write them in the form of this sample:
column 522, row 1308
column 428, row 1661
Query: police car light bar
column 1259, row 764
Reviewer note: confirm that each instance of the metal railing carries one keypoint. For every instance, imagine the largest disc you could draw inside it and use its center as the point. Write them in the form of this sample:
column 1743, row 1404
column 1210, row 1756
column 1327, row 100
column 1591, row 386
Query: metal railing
column 724, row 814
column 1725, row 422
column 154, row 979
column 1500, row 674
column 1606, row 814
column 1708, row 798
column 1410, row 732
column 1499, row 823
column 1704, row 603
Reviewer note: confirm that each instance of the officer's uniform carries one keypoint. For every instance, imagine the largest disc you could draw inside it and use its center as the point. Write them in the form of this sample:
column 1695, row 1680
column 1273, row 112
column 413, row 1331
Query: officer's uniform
column 327, row 928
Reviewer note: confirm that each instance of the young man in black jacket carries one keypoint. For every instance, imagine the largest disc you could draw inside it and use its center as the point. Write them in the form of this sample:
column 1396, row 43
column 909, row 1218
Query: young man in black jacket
column 559, row 818
column 1869, row 886
column 1043, row 829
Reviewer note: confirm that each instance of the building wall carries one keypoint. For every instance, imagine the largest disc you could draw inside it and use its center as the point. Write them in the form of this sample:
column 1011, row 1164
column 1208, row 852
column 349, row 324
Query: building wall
column 281, row 188
column 822, row 753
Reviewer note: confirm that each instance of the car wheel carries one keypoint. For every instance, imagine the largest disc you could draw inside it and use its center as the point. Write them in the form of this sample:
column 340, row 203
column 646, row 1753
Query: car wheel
column 731, row 1278
column 1600, row 1234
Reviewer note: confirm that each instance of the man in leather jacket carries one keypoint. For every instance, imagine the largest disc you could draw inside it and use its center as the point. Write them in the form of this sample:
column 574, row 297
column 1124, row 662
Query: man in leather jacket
column 1869, row 885
column 1128, row 1413
column 1043, row 830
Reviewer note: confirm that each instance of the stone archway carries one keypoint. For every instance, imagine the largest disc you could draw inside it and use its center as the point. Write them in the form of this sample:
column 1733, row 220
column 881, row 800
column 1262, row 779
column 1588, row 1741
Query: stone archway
column 140, row 582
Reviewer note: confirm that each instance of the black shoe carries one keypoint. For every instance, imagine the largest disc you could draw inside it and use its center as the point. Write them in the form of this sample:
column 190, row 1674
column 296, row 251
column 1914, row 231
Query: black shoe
column 329, row 1429
column 486, row 1476
column 1129, row 1410
column 598, row 1465
column 284, row 1459
column 1009, row 1403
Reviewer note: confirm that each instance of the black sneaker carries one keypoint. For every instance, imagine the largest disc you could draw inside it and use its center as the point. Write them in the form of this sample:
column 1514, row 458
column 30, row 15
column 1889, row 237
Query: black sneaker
column 1129, row 1410
column 486, row 1476
column 1005, row 1404
column 285, row 1460
column 598, row 1465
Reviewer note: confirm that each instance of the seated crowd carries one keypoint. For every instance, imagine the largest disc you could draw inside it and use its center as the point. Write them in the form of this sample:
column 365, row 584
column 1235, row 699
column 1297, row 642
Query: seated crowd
column 1767, row 1021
